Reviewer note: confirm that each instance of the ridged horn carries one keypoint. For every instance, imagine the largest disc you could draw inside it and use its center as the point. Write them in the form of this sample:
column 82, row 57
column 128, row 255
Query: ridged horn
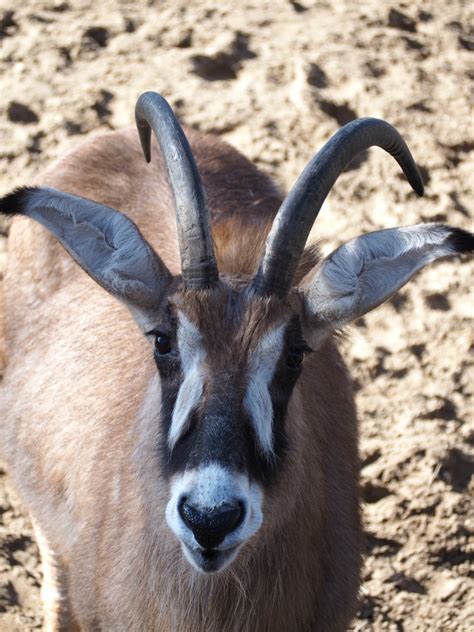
column 198, row 263
column 296, row 216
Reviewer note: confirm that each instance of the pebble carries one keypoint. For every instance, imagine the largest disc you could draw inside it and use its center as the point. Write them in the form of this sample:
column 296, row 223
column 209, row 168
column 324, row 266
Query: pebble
column 446, row 587
column 402, row 21
column 21, row 113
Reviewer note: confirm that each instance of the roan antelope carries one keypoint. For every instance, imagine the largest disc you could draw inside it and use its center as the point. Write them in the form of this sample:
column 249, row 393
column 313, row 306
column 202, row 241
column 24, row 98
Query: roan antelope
column 208, row 481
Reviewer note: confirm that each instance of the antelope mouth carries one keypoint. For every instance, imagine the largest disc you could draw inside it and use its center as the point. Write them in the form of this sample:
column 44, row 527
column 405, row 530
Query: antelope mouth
column 210, row 560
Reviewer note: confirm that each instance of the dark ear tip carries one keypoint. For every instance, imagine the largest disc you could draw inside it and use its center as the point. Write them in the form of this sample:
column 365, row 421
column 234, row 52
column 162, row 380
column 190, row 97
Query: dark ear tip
column 13, row 203
column 461, row 240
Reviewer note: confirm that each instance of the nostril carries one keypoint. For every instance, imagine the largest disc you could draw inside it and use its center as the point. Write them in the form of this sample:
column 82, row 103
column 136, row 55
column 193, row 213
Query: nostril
column 183, row 510
column 241, row 516
column 211, row 525
column 226, row 517
column 191, row 516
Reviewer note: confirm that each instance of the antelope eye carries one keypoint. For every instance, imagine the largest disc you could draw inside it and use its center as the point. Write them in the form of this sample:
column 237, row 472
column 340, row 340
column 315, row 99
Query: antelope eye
column 295, row 358
column 162, row 344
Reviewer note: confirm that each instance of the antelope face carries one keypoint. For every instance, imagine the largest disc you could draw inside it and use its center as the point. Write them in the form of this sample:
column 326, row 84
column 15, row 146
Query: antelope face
column 229, row 356
column 228, row 364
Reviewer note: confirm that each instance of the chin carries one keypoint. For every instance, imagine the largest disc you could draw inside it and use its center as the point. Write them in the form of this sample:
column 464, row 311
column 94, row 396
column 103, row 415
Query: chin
column 209, row 561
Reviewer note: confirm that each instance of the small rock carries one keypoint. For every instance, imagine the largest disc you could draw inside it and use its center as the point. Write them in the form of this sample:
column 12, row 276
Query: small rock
column 72, row 128
column 457, row 469
column 8, row 26
column 316, row 76
column 374, row 69
column 413, row 44
column 369, row 607
column 185, row 40
column 41, row 18
column 418, row 350
column 441, row 408
column 379, row 367
column 224, row 59
column 181, row 37
column 60, row 7
column 129, row 25
column 380, row 546
column 299, row 8
column 341, row 112
column 425, row 16
column 213, row 69
column 438, row 301
column 420, row 106
column 21, row 113
column 34, row 146
column 466, row 41
column 402, row 21
column 372, row 493
column 454, row 25
column 468, row 435
column 406, row 583
column 96, row 36
column 65, row 56
column 446, row 587
column 101, row 105
column 370, row 457
column 8, row 596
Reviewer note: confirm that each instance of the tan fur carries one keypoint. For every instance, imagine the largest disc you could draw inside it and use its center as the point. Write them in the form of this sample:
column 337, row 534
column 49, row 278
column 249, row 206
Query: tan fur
column 80, row 406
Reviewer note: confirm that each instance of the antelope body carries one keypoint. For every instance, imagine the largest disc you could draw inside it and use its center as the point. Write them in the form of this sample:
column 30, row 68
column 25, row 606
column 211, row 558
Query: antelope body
column 206, row 481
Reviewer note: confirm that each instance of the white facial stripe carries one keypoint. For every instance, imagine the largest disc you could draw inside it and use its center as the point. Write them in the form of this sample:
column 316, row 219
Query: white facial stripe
column 257, row 400
column 210, row 486
column 190, row 392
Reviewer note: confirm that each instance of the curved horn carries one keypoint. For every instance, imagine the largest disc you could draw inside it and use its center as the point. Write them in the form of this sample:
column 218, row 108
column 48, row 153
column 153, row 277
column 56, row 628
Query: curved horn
column 198, row 264
column 295, row 218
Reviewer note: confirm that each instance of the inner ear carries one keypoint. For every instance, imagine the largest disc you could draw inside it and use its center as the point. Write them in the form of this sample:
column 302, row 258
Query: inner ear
column 104, row 242
column 366, row 271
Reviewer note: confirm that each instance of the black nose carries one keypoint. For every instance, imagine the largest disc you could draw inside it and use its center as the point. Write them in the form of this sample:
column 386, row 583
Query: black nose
column 211, row 525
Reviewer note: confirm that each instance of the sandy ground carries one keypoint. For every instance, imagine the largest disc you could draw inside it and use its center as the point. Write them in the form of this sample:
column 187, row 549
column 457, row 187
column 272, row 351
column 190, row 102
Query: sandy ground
column 276, row 78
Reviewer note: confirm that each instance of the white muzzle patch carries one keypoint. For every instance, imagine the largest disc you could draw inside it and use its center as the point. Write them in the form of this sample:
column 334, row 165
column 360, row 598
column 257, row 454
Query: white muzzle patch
column 210, row 486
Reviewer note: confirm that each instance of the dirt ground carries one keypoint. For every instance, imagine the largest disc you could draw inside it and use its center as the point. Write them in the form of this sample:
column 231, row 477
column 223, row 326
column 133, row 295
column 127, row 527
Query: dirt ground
column 276, row 78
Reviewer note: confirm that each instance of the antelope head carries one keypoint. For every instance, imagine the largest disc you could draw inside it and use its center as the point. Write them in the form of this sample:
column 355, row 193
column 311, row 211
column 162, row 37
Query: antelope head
column 230, row 351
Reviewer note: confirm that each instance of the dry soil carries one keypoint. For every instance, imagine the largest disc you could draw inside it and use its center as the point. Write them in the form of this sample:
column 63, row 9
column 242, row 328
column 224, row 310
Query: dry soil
column 276, row 78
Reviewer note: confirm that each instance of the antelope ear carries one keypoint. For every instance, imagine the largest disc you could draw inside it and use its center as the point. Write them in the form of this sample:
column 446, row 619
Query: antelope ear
column 103, row 241
column 366, row 271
